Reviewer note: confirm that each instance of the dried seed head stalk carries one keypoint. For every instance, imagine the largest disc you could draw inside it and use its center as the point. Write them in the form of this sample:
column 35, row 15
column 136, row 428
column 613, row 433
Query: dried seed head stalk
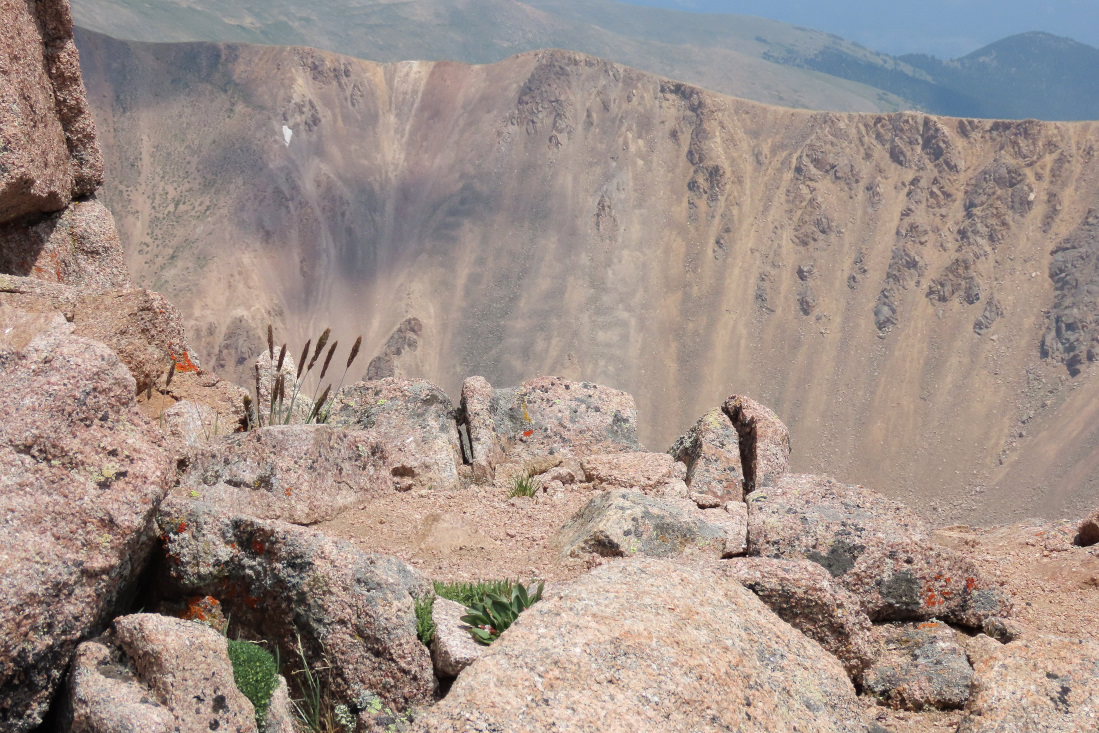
column 282, row 356
column 270, row 341
column 304, row 356
column 320, row 346
column 328, row 358
column 354, row 351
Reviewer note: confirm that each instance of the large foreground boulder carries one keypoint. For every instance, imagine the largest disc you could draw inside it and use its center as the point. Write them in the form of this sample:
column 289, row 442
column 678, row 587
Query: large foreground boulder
column 81, row 475
column 877, row 549
column 156, row 674
column 1037, row 683
column 353, row 612
column 647, row 645
column 545, row 416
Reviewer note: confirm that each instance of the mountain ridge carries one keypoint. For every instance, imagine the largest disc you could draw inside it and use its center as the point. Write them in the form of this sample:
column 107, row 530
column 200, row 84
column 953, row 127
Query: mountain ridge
column 879, row 279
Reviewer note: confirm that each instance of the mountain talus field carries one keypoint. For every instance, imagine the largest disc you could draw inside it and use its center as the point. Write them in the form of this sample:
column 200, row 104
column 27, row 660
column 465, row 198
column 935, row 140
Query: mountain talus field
column 911, row 294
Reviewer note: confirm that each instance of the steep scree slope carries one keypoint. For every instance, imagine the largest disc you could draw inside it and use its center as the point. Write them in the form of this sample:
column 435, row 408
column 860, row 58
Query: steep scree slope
column 884, row 281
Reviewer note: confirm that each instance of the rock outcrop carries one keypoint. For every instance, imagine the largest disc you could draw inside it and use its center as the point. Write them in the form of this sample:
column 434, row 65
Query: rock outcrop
column 412, row 417
column 353, row 612
column 453, row 648
column 650, row 645
column 875, row 548
column 81, row 475
column 1088, row 533
column 50, row 155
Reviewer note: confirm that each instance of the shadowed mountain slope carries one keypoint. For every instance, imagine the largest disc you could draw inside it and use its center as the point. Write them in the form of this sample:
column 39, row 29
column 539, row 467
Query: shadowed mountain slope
column 910, row 293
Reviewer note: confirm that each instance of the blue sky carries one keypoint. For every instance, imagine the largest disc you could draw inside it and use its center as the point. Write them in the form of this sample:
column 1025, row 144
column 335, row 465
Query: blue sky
column 944, row 28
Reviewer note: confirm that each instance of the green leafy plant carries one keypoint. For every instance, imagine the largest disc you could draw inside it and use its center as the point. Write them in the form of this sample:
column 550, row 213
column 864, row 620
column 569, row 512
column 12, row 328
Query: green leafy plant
column 256, row 673
column 525, row 485
column 493, row 614
column 468, row 592
column 425, row 626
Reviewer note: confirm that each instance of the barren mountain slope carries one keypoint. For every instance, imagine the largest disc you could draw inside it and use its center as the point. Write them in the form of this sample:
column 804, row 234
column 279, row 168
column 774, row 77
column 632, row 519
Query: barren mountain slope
column 720, row 52
column 884, row 282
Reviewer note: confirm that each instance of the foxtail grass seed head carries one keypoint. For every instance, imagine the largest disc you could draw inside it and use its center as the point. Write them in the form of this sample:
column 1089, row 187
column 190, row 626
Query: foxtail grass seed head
column 171, row 373
column 270, row 341
column 354, row 351
column 304, row 356
column 282, row 386
column 328, row 358
column 320, row 346
column 282, row 356
column 320, row 401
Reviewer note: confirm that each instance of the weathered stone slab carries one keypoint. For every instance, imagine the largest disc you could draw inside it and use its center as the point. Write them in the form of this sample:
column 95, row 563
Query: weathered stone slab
column 922, row 666
column 453, row 649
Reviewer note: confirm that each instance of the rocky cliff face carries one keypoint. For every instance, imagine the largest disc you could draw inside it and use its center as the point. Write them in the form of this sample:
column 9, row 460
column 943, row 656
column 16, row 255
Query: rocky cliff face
column 910, row 293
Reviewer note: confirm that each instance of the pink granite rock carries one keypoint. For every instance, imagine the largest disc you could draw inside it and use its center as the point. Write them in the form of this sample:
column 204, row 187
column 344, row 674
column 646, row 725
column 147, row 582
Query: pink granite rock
column 354, row 611
column 650, row 645
column 804, row 595
column 49, row 154
column 296, row 473
column 763, row 438
column 157, row 673
column 482, row 441
column 142, row 327
column 630, row 524
column 81, row 475
column 648, row 473
column 876, row 548
column 453, row 648
column 1036, row 683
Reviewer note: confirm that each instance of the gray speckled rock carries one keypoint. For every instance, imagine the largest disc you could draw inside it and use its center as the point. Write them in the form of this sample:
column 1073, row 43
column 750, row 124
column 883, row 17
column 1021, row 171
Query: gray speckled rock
column 627, row 523
column 650, row 645
column 354, row 611
column 804, row 595
column 711, row 452
column 875, row 548
column 412, row 415
column 81, row 475
column 922, row 666
column 106, row 696
column 296, row 473
column 548, row 416
column 1036, row 683
column 453, row 649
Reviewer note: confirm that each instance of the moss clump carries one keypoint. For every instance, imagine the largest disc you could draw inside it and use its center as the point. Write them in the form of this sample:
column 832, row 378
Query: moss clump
column 256, row 675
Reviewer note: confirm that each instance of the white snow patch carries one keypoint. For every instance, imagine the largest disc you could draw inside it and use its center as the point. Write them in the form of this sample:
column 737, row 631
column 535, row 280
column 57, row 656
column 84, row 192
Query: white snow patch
column 287, row 133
